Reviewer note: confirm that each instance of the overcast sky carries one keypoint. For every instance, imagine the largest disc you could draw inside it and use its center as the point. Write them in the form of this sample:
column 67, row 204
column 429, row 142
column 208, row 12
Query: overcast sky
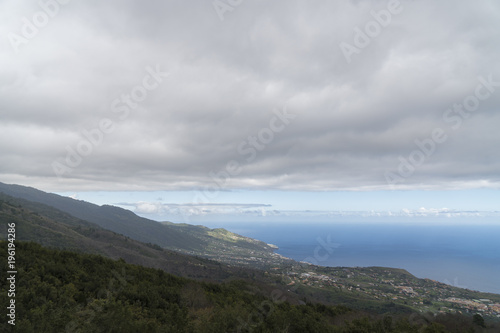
column 213, row 96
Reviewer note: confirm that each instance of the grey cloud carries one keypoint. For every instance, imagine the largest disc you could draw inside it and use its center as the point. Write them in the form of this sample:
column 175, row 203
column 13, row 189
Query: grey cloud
column 354, row 121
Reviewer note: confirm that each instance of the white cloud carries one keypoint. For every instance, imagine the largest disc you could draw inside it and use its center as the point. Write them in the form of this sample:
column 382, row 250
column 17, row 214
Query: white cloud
column 183, row 212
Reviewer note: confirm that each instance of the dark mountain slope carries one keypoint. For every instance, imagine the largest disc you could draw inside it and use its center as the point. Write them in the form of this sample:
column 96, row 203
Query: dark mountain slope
column 63, row 291
column 112, row 218
column 51, row 227
column 218, row 244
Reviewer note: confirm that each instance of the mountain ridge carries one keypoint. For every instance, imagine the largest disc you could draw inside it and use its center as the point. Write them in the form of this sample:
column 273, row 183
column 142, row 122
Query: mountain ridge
column 184, row 238
column 56, row 229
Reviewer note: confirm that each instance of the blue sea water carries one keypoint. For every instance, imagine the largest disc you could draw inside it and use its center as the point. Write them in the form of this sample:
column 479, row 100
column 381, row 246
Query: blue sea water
column 465, row 256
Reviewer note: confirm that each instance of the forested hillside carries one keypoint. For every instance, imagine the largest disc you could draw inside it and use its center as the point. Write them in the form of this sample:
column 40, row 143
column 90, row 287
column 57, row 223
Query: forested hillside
column 63, row 291
column 188, row 239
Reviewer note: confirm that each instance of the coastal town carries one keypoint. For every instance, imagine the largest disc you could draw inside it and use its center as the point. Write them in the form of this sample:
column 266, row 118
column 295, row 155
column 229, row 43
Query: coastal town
column 381, row 285
column 395, row 286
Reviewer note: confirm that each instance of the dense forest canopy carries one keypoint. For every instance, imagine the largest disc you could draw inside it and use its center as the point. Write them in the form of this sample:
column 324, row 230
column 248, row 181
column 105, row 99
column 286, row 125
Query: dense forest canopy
column 63, row 291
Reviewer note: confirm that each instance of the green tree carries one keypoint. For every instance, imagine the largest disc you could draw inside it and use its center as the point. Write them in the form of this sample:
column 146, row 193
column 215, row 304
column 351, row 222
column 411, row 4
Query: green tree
column 478, row 320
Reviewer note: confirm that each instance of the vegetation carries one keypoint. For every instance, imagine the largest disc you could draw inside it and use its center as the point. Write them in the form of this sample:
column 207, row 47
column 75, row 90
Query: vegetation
column 216, row 244
column 382, row 290
column 53, row 228
column 67, row 291
column 63, row 291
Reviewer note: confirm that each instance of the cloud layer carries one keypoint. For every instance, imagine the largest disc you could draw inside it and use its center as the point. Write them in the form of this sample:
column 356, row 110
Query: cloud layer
column 218, row 120
column 203, row 213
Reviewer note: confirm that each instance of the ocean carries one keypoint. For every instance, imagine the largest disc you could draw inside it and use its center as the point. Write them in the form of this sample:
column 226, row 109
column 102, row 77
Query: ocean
column 464, row 256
